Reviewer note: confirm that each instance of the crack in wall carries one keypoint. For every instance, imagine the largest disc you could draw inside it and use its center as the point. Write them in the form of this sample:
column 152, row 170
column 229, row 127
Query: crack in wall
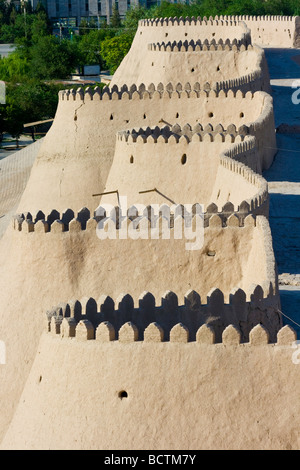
column 75, row 116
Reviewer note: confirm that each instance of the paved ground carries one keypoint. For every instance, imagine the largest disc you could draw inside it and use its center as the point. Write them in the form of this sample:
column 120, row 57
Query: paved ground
column 6, row 49
column 284, row 178
column 9, row 146
column 15, row 169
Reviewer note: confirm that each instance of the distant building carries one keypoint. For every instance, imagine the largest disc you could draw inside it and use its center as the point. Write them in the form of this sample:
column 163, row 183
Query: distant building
column 72, row 12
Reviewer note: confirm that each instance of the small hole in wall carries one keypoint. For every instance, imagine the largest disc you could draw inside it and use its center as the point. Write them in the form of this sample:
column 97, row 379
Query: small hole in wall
column 193, row 70
column 144, row 116
column 75, row 117
column 131, row 159
column 122, row 394
column 218, row 68
column 183, row 159
column 111, row 117
column 210, row 114
column 211, row 253
column 213, row 34
column 152, row 64
column 185, row 34
column 177, row 115
column 242, row 115
column 166, row 34
column 40, row 378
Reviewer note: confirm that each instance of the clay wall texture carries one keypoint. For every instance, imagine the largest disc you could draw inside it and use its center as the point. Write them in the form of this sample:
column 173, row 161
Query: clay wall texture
column 174, row 55
column 65, row 155
column 214, row 412
column 280, row 31
column 194, row 337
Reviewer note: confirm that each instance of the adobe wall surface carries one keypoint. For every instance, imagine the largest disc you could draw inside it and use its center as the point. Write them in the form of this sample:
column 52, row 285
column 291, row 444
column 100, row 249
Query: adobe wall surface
column 244, row 248
column 165, row 66
column 280, row 31
column 170, row 51
column 198, row 163
column 71, row 147
column 51, row 256
column 258, row 408
column 65, row 263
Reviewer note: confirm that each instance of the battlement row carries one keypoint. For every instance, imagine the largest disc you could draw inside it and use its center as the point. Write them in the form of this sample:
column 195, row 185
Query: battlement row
column 244, row 151
column 177, row 134
column 248, row 174
column 214, row 21
column 216, row 89
column 245, row 83
column 177, row 21
column 256, row 305
column 197, row 46
column 229, row 217
column 92, row 308
column 259, row 18
column 154, row 333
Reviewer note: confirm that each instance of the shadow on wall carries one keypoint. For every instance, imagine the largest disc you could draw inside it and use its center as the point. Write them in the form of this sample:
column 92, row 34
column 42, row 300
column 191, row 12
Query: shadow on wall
column 285, row 110
column 283, row 63
column 286, row 165
column 290, row 304
column 283, row 176
column 285, row 228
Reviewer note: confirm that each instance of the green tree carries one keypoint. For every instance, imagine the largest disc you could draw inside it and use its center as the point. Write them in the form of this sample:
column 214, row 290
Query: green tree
column 28, row 102
column 1, row 123
column 84, row 27
column 7, row 34
column 13, row 121
column 40, row 26
column 90, row 44
column 113, row 50
column 133, row 15
column 53, row 58
column 23, row 23
column 14, row 68
column 115, row 20
column 168, row 9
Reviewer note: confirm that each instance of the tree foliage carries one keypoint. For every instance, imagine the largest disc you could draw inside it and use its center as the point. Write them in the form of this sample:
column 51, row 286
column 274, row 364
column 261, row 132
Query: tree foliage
column 28, row 102
column 216, row 7
column 115, row 20
column 113, row 50
column 53, row 58
column 89, row 47
column 41, row 57
column 14, row 67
